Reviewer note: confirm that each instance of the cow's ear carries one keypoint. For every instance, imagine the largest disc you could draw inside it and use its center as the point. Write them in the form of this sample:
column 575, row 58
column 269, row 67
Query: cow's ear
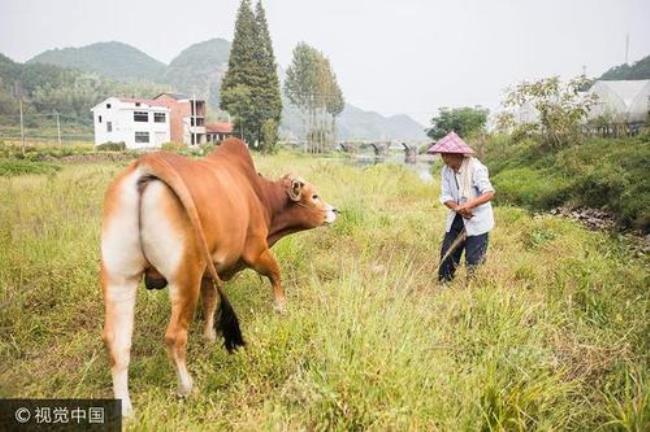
column 295, row 189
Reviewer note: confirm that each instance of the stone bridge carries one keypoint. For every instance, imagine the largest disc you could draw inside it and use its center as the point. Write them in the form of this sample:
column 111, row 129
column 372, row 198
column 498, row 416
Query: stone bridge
column 410, row 152
column 380, row 148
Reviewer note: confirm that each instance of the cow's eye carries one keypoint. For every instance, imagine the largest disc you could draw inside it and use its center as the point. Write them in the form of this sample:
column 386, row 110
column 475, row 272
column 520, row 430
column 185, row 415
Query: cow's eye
column 314, row 197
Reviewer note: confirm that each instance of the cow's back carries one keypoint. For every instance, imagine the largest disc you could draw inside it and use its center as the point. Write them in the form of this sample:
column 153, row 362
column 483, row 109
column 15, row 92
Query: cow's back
column 225, row 200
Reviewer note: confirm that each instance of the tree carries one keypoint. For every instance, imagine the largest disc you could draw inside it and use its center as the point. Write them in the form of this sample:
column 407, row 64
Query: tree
column 311, row 85
column 269, row 135
column 250, row 89
column 560, row 107
column 464, row 121
column 268, row 100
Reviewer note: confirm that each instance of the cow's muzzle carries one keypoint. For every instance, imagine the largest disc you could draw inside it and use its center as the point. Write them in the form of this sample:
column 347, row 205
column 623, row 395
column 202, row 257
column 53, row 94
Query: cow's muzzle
column 330, row 215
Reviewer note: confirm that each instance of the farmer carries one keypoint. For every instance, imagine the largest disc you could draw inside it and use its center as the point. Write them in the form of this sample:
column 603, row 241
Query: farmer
column 466, row 190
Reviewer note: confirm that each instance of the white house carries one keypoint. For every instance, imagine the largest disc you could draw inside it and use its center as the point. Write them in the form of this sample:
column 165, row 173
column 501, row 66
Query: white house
column 138, row 123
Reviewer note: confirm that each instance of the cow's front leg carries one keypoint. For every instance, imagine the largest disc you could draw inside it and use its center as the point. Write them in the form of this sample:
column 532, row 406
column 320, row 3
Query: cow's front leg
column 266, row 265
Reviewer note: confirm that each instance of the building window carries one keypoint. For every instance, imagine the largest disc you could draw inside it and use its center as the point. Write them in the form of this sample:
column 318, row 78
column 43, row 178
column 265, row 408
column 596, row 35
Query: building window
column 159, row 117
column 140, row 116
column 142, row 137
column 197, row 121
column 137, row 104
column 100, row 119
column 108, row 106
column 109, row 126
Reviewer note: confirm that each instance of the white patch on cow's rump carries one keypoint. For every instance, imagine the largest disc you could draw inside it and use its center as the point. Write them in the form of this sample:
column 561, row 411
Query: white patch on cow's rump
column 120, row 244
column 162, row 243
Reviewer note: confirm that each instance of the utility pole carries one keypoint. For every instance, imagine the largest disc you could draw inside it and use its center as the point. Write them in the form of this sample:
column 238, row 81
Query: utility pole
column 627, row 49
column 22, row 127
column 58, row 127
column 193, row 123
column 18, row 90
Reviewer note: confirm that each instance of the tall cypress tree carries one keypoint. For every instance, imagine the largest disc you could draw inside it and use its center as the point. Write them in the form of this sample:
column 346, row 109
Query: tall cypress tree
column 242, row 76
column 250, row 90
column 268, row 99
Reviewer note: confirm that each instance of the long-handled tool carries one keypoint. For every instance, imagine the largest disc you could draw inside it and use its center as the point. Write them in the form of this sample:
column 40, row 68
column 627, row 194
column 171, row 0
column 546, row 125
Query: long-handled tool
column 462, row 236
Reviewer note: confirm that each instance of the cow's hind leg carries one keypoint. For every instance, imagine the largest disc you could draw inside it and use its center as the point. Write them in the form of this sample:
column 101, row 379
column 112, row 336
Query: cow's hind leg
column 119, row 299
column 184, row 294
column 210, row 301
column 121, row 270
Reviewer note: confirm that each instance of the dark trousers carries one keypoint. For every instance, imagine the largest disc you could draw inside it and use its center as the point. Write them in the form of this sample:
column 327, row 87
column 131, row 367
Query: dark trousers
column 475, row 248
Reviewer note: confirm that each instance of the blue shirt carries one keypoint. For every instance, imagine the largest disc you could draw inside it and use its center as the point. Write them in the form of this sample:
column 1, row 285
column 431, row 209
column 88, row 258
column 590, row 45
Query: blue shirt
column 483, row 219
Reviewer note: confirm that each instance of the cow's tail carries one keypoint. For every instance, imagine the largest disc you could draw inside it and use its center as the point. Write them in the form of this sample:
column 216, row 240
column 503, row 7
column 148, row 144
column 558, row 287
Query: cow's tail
column 227, row 323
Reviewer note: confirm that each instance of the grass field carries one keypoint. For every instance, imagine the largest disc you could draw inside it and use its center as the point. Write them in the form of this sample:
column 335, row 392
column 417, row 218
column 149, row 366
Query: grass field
column 553, row 334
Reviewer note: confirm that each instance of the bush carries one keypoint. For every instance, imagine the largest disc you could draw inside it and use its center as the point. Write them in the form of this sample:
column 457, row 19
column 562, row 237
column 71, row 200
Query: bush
column 531, row 188
column 174, row 147
column 207, row 148
column 111, row 146
column 601, row 173
column 14, row 167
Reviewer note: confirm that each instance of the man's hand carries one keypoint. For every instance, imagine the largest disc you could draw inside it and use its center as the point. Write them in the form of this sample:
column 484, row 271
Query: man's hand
column 464, row 210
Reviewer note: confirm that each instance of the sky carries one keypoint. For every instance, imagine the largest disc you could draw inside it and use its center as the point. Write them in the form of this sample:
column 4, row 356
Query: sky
column 406, row 56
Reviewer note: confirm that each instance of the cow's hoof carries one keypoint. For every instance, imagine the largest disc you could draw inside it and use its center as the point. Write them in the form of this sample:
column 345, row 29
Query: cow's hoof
column 280, row 307
column 127, row 409
column 210, row 335
column 185, row 387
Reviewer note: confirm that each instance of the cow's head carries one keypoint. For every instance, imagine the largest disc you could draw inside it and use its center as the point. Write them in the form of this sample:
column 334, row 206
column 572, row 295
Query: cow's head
column 307, row 207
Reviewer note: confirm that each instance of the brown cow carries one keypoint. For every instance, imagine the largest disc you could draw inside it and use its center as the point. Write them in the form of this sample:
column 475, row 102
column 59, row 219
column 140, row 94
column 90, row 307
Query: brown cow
column 193, row 224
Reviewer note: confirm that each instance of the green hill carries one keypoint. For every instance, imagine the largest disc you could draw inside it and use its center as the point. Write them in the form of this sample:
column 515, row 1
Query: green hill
column 199, row 69
column 71, row 92
column 638, row 71
column 115, row 60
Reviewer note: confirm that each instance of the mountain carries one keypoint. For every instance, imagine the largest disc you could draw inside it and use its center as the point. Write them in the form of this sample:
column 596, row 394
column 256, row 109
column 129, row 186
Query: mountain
column 199, row 69
column 115, row 60
column 46, row 88
column 355, row 123
column 638, row 71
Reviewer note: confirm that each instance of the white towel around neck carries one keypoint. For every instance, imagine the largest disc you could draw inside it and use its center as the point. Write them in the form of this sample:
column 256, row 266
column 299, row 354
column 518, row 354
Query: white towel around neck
column 465, row 186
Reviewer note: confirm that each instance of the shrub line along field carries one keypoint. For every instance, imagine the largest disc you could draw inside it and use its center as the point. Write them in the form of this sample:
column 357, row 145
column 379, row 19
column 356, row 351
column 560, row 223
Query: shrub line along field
column 551, row 334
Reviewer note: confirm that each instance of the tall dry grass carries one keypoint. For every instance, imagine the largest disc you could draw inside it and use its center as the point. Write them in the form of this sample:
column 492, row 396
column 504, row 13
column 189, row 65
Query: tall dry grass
column 552, row 334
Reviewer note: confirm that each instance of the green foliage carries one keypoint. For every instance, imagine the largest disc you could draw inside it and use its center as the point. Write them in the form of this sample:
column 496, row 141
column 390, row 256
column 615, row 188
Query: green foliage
column 15, row 167
column 561, row 108
column 530, row 188
column 173, row 147
column 267, row 99
column 600, row 173
column 111, row 146
column 41, row 153
column 47, row 88
column 250, row 90
column 464, row 121
column 269, row 136
column 311, row 86
column 638, row 71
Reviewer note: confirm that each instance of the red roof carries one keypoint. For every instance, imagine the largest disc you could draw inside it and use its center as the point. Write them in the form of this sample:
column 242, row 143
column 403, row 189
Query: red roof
column 219, row 127
column 150, row 102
